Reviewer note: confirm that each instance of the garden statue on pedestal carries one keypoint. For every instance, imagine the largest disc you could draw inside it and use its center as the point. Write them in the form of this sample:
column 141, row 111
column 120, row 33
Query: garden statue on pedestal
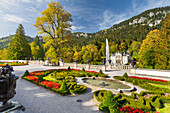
column 7, row 90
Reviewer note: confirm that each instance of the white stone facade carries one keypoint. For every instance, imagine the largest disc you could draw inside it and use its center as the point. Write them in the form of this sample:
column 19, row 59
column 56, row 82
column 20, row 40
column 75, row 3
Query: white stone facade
column 120, row 58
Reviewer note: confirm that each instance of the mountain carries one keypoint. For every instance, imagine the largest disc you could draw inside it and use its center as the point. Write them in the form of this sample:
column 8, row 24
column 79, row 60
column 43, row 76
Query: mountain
column 135, row 28
column 4, row 41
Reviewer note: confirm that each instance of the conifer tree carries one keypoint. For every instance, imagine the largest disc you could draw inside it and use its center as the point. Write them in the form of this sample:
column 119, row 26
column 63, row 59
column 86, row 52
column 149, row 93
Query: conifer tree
column 19, row 47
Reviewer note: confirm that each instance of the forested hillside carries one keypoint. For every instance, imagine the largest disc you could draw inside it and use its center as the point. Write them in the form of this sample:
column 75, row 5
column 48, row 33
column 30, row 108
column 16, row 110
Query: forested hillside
column 135, row 28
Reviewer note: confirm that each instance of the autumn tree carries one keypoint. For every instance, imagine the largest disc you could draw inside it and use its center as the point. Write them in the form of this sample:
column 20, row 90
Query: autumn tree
column 55, row 25
column 3, row 54
column 90, row 52
column 19, row 47
column 123, row 47
column 78, row 56
column 135, row 46
column 37, row 48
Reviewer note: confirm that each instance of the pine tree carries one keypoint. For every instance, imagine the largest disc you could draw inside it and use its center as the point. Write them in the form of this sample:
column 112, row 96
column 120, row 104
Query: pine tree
column 19, row 47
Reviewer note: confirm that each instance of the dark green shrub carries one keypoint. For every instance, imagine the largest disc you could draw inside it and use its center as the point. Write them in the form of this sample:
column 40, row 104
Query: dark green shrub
column 100, row 72
column 83, row 69
column 40, row 79
column 125, row 75
column 68, row 68
column 26, row 73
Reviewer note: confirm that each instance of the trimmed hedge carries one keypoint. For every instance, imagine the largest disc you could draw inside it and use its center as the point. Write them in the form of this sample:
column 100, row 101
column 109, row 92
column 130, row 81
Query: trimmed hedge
column 78, row 89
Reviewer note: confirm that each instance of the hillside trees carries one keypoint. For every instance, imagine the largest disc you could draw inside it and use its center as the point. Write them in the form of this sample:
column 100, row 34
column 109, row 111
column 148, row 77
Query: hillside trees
column 90, row 52
column 3, row 54
column 37, row 48
column 154, row 50
column 19, row 47
column 55, row 25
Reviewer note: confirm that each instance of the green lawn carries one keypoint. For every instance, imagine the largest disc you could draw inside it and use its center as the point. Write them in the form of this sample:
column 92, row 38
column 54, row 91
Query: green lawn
column 161, row 86
column 166, row 109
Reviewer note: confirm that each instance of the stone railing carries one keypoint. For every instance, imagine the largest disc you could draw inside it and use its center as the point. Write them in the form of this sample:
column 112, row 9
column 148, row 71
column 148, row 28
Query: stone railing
column 152, row 72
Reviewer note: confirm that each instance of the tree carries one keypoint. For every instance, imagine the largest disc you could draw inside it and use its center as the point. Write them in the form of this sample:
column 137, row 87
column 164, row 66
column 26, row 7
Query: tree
column 55, row 25
column 37, row 48
column 78, row 56
column 147, row 50
column 3, row 54
column 135, row 46
column 113, row 48
column 19, row 47
column 90, row 52
column 123, row 47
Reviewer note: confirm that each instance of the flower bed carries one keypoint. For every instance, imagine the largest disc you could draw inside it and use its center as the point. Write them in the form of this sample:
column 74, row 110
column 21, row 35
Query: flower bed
column 151, row 79
column 128, row 109
column 13, row 63
column 61, row 81
column 145, row 83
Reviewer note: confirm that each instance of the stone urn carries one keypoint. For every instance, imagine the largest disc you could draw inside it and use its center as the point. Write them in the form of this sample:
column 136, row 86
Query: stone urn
column 7, row 88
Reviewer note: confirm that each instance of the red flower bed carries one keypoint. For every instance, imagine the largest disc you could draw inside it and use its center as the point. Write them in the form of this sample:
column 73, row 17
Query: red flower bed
column 151, row 79
column 92, row 71
column 50, row 84
column 128, row 109
column 42, row 71
column 37, row 73
column 33, row 78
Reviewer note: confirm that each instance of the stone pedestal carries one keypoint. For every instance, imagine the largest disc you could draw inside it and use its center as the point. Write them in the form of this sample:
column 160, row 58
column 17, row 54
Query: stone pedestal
column 75, row 65
column 12, row 107
column 104, row 68
column 88, row 66
column 61, row 63
column 110, row 66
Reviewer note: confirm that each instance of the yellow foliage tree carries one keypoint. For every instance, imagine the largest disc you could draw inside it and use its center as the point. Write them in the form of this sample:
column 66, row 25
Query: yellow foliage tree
column 55, row 25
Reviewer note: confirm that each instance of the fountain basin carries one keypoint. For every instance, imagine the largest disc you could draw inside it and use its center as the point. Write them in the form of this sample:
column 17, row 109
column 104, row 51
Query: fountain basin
column 108, row 84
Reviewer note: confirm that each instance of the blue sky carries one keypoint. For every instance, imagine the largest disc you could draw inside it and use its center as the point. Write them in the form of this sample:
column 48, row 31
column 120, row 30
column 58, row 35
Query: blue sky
column 88, row 15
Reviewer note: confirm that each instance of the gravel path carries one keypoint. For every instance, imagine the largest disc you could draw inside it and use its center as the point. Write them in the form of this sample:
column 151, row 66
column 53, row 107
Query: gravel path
column 40, row 100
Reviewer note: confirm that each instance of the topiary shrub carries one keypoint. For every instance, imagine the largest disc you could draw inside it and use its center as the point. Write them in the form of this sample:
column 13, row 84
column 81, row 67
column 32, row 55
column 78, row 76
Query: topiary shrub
column 78, row 89
column 64, row 85
column 26, row 73
column 134, row 95
column 40, row 79
column 68, row 68
column 83, row 69
column 125, row 75
column 100, row 72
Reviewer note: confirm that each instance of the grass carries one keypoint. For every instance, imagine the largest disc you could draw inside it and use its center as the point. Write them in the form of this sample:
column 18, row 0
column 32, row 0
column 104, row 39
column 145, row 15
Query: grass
column 166, row 109
column 161, row 86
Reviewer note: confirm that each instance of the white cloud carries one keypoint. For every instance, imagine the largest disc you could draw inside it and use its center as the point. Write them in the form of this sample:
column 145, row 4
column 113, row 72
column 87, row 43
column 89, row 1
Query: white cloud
column 13, row 18
column 26, row 1
column 110, row 18
column 76, row 27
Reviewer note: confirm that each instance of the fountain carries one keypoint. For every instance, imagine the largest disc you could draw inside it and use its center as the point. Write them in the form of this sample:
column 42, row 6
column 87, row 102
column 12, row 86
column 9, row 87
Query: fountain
column 107, row 52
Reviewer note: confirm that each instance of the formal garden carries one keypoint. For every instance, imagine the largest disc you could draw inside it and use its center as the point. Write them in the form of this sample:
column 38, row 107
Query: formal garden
column 156, row 98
